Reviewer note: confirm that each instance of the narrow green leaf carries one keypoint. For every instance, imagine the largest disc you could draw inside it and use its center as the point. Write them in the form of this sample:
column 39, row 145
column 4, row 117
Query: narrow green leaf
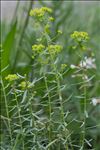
column 7, row 46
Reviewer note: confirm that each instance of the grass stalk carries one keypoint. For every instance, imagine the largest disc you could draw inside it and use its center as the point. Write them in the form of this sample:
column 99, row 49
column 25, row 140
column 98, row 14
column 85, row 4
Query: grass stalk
column 49, row 99
column 20, row 121
column 59, row 93
column 7, row 111
column 84, row 120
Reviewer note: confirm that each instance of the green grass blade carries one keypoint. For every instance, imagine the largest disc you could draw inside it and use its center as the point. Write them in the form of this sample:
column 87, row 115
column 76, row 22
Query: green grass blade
column 7, row 46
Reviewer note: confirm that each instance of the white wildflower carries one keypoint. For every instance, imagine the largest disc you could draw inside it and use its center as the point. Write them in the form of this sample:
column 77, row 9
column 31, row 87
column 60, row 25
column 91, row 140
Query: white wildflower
column 85, row 77
column 88, row 63
column 72, row 66
column 73, row 76
column 95, row 101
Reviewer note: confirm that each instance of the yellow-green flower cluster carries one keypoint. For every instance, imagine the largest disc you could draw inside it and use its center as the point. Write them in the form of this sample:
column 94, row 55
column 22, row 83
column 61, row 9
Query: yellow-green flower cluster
column 63, row 66
column 38, row 48
column 40, row 12
column 80, row 36
column 54, row 49
column 59, row 32
column 51, row 19
column 25, row 85
column 46, row 9
column 12, row 77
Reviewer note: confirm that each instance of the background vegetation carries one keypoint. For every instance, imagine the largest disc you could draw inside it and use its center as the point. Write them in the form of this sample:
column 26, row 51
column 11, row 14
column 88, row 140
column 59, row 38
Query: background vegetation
column 18, row 36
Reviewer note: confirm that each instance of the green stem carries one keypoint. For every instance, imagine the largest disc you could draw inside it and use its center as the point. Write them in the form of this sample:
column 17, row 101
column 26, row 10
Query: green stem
column 30, row 109
column 49, row 99
column 60, row 98
column 16, row 141
column 83, row 132
column 19, row 116
column 59, row 94
column 15, row 12
column 7, row 110
column 84, row 115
